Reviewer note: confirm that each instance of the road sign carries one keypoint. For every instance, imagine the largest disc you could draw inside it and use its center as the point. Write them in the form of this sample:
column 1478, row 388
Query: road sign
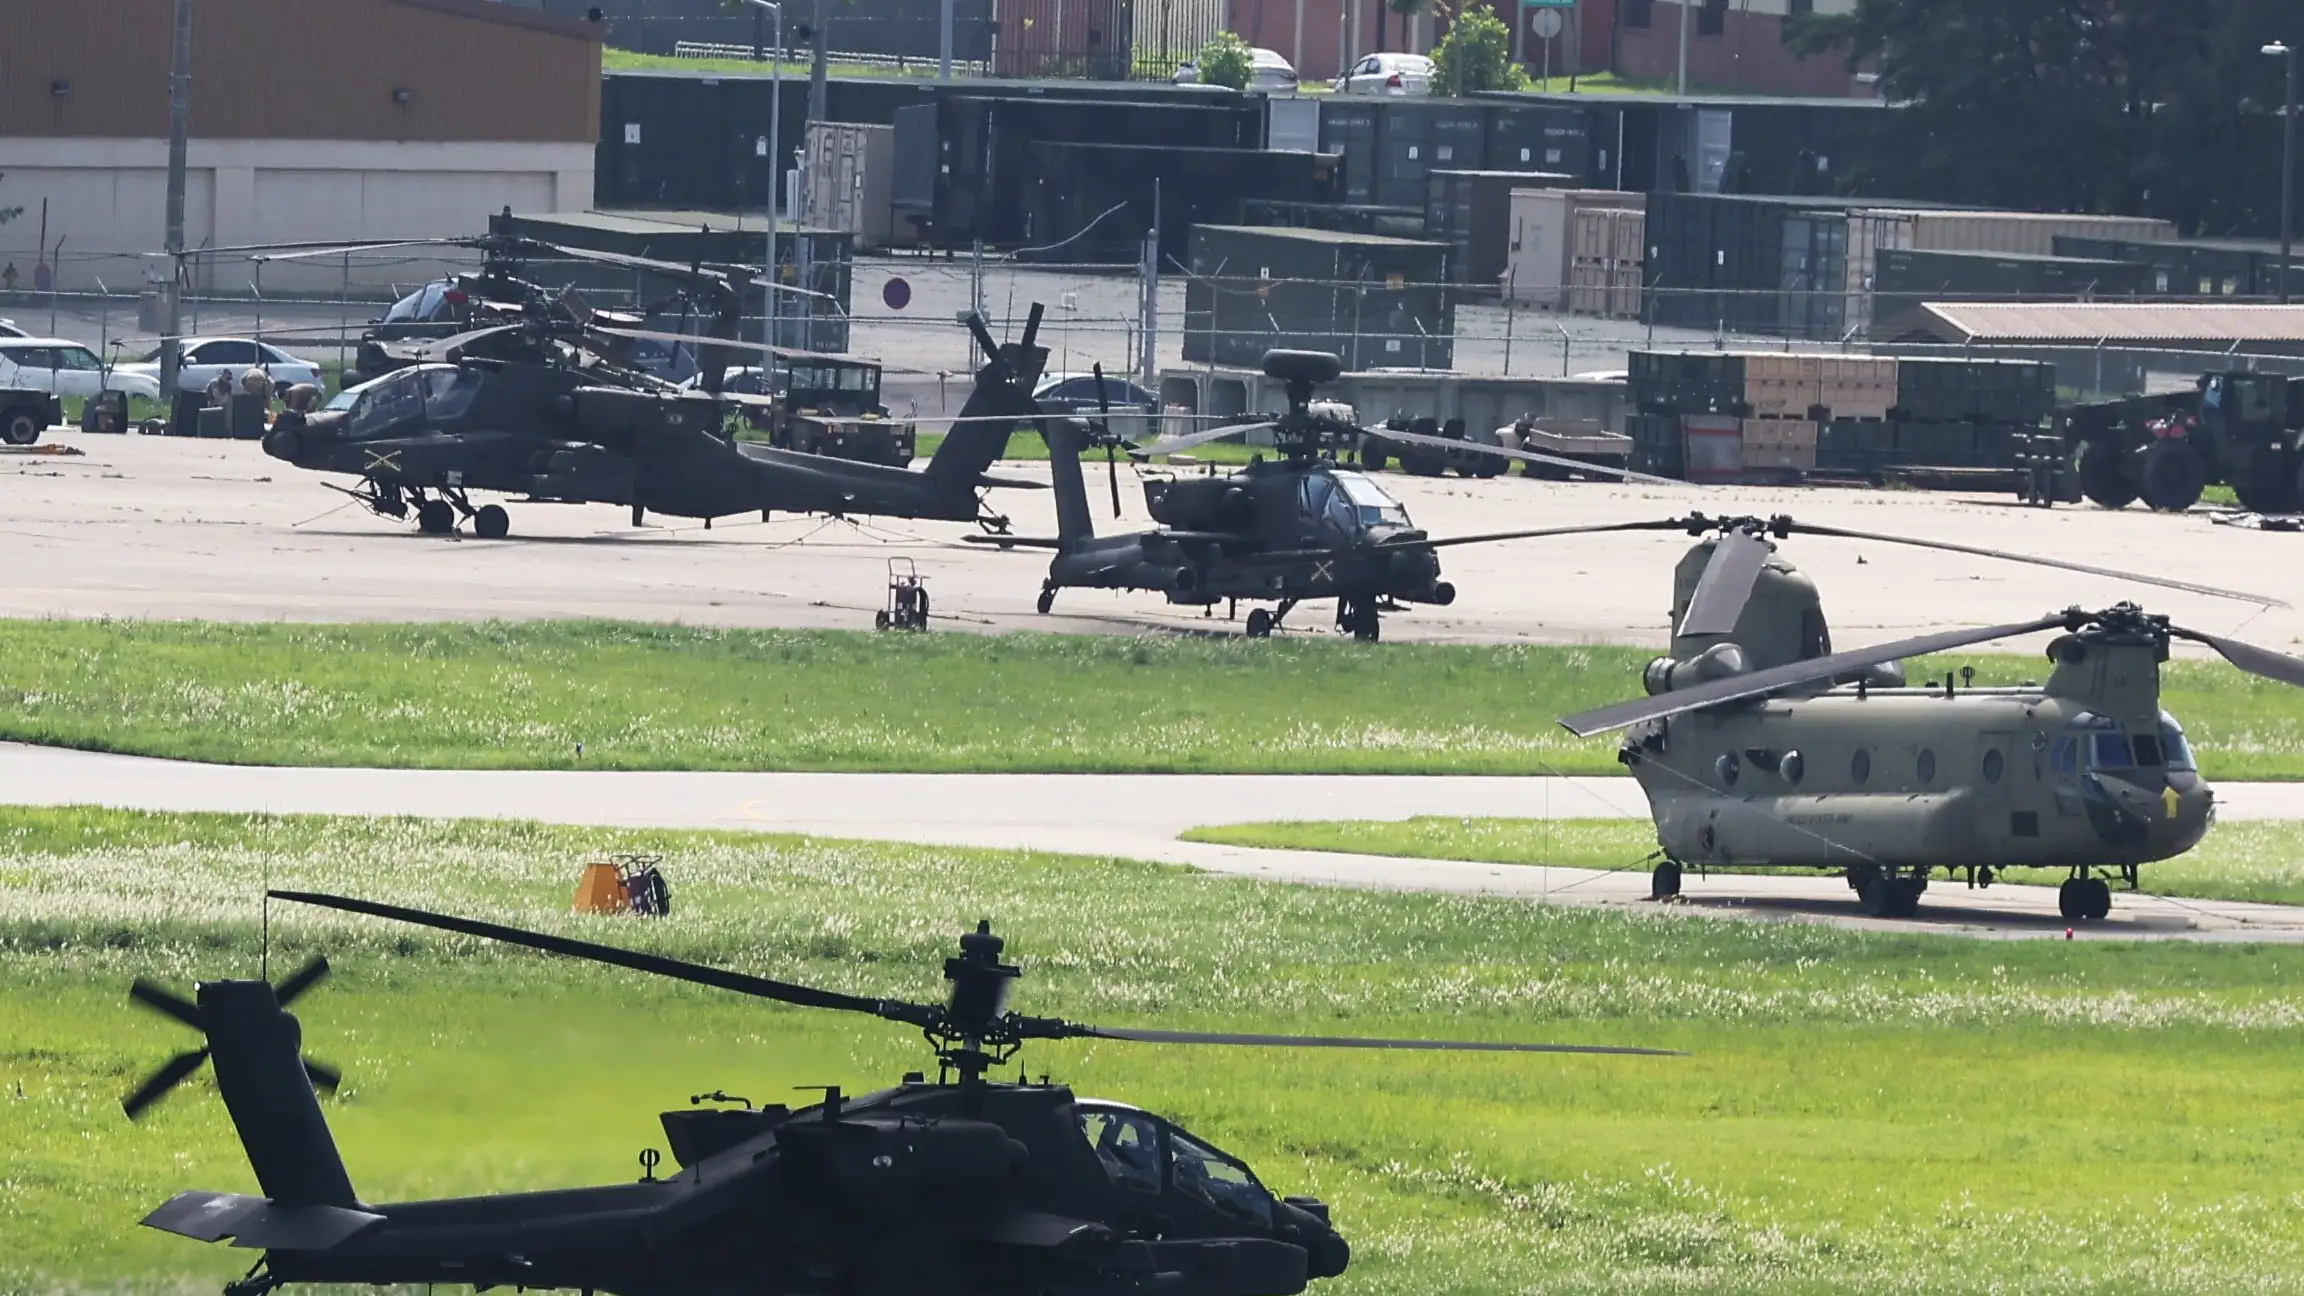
column 1546, row 23
column 896, row 293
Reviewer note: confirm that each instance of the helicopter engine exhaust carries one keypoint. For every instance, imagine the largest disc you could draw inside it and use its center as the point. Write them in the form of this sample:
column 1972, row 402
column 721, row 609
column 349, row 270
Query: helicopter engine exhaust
column 1176, row 582
column 1720, row 661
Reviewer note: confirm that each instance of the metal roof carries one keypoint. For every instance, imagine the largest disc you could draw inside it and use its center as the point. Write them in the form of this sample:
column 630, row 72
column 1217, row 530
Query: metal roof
column 2109, row 322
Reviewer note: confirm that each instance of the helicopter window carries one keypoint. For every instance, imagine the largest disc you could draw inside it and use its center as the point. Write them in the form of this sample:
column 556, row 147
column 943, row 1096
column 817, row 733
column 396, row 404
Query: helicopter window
column 1375, row 507
column 1220, row 1181
column 1927, row 765
column 2173, row 746
column 1860, row 767
column 2065, row 758
column 1793, row 767
column 2147, row 749
column 1315, row 495
column 388, row 402
column 448, row 392
column 1995, row 765
column 423, row 304
column 1128, row 1143
column 1728, row 767
column 2110, row 751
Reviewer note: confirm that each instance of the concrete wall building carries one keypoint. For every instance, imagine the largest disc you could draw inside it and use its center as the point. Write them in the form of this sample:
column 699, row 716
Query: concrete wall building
column 311, row 120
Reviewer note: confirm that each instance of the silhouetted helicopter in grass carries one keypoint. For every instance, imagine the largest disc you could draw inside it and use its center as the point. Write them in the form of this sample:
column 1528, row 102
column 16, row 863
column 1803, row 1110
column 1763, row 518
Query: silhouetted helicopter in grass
column 1298, row 527
column 964, row 1184
column 556, row 413
column 1761, row 746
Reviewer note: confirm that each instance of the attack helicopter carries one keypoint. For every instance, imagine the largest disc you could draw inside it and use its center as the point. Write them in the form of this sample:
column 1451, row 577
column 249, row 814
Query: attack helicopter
column 1760, row 746
column 961, row 1184
column 558, row 414
column 1299, row 527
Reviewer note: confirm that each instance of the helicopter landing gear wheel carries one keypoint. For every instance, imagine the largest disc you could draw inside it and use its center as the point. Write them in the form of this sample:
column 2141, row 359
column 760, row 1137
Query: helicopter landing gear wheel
column 1664, row 884
column 1046, row 601
column 2084, row 899
column 1260, row 623
column 491, row 522
column 2101, row 477
column 435, row 517
column 2263, row 482
column 1359, row 617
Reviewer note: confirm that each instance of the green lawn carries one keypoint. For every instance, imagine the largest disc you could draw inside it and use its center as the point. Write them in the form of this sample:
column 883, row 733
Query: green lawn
column 2262, row 862
column 523, row 695
column 1863, row 1111
column 622, row 60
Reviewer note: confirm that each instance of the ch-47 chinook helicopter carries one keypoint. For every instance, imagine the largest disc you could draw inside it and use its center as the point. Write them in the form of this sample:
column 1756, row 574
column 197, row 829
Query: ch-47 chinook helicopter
column 1761, row 747
column 1295, row 528
column 966, row 1184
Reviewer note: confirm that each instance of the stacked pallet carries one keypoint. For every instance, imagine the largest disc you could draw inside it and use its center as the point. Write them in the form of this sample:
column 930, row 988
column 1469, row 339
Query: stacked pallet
column 1604, row 271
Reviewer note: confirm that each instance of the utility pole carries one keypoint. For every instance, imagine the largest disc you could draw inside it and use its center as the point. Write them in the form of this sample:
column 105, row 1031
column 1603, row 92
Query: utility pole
column 775, row 188
column 1685, row 6
column 944, row 43
column 179, row 138
column 2287, row 52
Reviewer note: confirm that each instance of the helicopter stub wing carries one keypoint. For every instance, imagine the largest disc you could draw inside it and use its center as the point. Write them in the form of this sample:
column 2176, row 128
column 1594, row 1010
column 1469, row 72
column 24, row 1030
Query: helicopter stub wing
column 256, row 1222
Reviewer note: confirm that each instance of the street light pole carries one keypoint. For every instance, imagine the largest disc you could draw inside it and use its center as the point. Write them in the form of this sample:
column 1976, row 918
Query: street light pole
column 775, row 188
column 2287, row 165
column 179, row 138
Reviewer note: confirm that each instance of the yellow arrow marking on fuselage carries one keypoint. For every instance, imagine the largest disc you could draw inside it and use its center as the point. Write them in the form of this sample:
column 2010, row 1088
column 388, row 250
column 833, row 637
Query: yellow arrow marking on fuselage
column 2168, row 799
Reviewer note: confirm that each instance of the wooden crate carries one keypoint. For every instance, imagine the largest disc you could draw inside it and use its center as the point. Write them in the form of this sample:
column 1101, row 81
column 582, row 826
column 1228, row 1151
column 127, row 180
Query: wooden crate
column 1588, row 283
column 1782, row 386
column 1858, row 387
column 1779, row 445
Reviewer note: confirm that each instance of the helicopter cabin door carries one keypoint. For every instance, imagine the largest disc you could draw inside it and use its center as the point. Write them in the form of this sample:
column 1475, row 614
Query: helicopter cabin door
column 2000, row 801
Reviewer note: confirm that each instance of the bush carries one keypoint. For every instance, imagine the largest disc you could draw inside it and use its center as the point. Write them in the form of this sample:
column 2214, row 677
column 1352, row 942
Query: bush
column 1225, row 61
column 1476, row 55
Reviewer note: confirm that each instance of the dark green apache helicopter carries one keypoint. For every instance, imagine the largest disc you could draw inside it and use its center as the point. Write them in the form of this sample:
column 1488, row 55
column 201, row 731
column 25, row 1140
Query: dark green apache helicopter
column 965, row 1184
column 1299, row 527
column 557, row 413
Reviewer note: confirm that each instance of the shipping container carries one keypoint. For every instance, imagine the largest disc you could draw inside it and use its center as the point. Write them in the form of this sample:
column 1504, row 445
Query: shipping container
column 1415, row 137
column 1347, row 218
column 1718, row 261
column 849, row 167
column 2026, row 233
column 1907, row 278
column 1813, row 275
column 1543, row 240
column 1472, row 211
column 1092, row 204
column 1376, row 302
column 1539, row 137
column 1348, row 130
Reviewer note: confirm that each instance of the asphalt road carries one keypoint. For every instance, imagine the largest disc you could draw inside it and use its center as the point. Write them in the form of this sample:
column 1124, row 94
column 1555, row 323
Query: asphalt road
column 1128, row 816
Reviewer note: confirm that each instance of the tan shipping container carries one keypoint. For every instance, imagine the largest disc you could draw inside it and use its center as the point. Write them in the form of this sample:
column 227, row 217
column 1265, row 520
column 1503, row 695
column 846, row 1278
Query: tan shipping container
column 1624, row 287
column 851, row 172
column 1542, row 249
column 2027, row 233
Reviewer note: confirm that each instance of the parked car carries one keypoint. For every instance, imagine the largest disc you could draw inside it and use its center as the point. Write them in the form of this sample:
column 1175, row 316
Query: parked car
column 58, row 366
column 1269, row 73
column 1388, row 74
column 9, row 329
column 205, row 358
column 1074, row 394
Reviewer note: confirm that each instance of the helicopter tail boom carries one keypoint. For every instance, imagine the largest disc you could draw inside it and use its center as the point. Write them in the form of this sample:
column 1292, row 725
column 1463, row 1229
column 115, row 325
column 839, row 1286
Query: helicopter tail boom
column 1075, row 521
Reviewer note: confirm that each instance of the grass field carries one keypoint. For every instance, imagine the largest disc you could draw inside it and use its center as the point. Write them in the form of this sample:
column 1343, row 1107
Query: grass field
column 669, row 697
column 2263, row 862
column 1862, row 1112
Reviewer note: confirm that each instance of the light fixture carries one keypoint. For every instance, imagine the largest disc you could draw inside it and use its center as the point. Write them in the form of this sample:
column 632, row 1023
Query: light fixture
column 402, row 95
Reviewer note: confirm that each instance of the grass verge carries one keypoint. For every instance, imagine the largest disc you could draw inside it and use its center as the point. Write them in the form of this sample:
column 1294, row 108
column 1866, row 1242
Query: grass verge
column 523, row 695
column 2262, row 862
column 1862, row 1111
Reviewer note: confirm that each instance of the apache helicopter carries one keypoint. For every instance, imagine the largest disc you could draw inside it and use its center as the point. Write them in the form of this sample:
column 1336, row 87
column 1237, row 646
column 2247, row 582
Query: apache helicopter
column 1761, row 747
column 965, row 1184
column 553, row 414
column 1295, row 528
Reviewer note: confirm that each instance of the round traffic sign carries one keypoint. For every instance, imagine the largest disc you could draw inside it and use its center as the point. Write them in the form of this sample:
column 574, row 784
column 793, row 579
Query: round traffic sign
column 896, row 293
column 1546, row 23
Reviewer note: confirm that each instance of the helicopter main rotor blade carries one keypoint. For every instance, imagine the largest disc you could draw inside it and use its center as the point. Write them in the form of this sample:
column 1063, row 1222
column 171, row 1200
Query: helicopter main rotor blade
column 1726, row 586
column 323, row 1076
column 1623, row 714
column 2248, row 657
column 697, row 339
column 1358, row 1042
column 1525, row 456
column 1449, row 542
column 166, row 1002
column 678, row 969
column 2110, row 573
column 301, row 980
column 156, row 1086
column 1170, row 445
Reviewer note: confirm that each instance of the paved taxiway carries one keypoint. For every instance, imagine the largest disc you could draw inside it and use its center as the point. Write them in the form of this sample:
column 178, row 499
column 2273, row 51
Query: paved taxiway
column 1130, row 816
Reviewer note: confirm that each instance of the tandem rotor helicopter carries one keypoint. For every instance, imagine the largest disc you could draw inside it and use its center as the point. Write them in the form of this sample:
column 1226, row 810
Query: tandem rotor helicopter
column 1761, row 747
column 963, row 1184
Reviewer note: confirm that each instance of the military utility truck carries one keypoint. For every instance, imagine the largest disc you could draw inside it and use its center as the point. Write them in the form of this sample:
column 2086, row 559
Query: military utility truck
column 2238, row 429
column 829, row 406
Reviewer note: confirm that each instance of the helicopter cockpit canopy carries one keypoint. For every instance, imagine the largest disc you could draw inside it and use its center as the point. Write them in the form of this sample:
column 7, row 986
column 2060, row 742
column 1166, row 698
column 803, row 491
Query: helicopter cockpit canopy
column 389, row 405
column 2097, row 742
column 1350, row 502
column 1144, row 1154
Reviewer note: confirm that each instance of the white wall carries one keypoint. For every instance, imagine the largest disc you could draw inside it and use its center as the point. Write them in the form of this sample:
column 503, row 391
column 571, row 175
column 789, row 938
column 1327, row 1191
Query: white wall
column 107, row 201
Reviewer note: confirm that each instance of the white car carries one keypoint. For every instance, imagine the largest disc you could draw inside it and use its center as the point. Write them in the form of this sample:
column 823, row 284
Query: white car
column 205, row 358
column 1388, row 74
column 58, row 366
column 1268, row 73
column 9, row 329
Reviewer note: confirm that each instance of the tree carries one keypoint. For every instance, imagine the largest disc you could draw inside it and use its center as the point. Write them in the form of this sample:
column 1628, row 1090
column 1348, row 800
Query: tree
column 1226, row 61
column 1476, row 54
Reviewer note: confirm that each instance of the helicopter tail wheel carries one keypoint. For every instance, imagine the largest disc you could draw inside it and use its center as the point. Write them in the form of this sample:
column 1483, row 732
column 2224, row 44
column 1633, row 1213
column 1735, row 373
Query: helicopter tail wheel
column 491, row 522
column 436, row 517
column 1664, row 884
column 1047, row 599
column 1260, row 623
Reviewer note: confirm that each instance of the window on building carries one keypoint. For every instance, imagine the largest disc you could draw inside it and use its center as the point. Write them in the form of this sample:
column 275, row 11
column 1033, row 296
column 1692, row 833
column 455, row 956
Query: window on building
column 1712, row 18
column 1640, row 14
